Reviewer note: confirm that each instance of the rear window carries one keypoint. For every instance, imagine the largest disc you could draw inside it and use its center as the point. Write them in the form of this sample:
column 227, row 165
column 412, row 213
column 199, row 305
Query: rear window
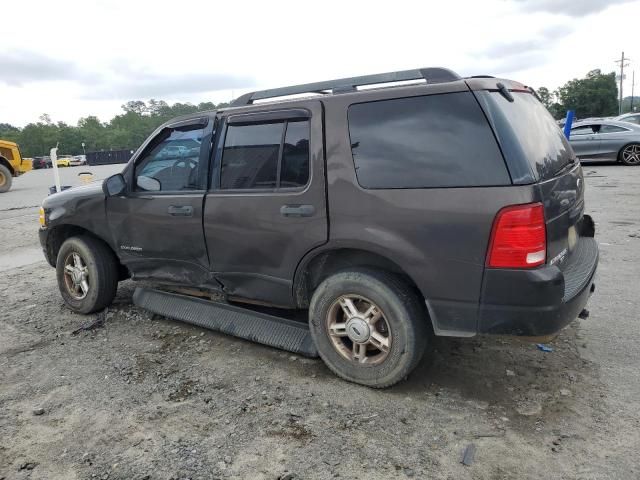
column 530, row 139
column 420, row 142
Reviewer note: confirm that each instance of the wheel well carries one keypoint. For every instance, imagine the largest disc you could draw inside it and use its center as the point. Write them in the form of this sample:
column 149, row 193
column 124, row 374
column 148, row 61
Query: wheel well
column 5, row 162
column 57, row 236
column 327, row 263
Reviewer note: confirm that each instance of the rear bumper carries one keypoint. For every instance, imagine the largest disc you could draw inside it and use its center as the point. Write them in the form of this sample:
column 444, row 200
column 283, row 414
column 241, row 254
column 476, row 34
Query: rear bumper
column 541, row 301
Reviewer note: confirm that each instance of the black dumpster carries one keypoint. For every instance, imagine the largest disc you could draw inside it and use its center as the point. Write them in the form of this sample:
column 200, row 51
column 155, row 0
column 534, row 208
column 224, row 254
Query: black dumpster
column 108, row 157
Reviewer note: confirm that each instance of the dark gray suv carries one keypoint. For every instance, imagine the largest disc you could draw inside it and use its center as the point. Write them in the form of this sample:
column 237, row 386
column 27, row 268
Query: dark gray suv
column 448, row 206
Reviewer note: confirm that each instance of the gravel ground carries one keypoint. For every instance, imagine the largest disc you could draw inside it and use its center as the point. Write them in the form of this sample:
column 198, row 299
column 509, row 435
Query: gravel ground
column 137, row 396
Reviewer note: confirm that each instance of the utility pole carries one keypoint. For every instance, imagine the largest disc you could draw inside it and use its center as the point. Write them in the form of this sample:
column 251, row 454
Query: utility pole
column 622, row 65
column 633, row 84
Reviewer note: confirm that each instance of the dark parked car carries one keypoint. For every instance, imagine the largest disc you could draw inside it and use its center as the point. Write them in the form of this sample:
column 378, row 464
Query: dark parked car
column 607, row 140
column 451, row 207
column 41, row 162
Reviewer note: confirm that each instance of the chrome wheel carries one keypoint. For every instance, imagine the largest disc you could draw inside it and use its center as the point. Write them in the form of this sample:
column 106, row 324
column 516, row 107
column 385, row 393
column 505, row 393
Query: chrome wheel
column 631, row 155
column 359, row 330
column 76, row 276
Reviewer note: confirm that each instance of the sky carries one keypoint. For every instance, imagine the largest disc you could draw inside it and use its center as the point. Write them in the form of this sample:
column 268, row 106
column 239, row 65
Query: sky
column 71, row 59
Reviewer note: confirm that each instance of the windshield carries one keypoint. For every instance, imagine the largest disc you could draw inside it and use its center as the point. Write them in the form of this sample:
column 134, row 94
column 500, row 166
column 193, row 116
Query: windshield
column 527, row 131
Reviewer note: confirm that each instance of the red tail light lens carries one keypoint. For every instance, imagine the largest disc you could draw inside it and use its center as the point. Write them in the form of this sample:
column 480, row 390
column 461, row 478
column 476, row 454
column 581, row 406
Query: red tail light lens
column 518, row 238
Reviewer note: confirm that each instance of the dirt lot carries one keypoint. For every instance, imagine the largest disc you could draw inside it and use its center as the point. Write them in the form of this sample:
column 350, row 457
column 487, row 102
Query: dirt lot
column 143, row 397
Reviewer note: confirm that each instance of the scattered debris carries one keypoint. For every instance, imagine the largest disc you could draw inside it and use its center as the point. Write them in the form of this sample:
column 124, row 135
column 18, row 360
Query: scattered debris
column 38, row 411
column 469, row 454
column 489, row 434
column 287, row 476
column 97, row 322
column 529, row 408
column 511, row 373
column 28, row 466
column 544, row 348
column 565, row 392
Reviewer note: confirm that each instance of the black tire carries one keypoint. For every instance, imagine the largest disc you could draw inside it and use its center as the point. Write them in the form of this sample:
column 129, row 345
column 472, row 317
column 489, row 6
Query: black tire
column 6, row 179
column 404, row 314
column 632, row 154
column 101, row 266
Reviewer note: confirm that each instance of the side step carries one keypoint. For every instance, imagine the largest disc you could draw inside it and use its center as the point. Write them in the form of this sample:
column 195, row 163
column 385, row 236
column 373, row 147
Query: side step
column 254, row 326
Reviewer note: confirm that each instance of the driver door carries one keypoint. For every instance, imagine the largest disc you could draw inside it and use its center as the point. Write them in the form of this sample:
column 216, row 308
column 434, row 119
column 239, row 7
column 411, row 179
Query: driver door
column 157, row 223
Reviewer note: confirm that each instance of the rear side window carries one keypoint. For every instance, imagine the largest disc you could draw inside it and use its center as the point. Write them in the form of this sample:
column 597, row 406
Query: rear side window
column 250, row 157
column 612, row 129
column 266, row 156
column 420, row 142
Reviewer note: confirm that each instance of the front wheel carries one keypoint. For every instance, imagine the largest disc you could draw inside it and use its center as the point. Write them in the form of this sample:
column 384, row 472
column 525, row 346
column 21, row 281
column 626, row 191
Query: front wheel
column 87, row 274
column 5, row 179
column 369, row 327
column 630, row 155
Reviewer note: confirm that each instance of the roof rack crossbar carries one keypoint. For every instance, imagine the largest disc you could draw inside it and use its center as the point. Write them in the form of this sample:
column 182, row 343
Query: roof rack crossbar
column 431, row 75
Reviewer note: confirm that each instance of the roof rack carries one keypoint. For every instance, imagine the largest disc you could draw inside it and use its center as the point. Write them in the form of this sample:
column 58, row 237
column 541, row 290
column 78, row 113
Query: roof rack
column 343, row 85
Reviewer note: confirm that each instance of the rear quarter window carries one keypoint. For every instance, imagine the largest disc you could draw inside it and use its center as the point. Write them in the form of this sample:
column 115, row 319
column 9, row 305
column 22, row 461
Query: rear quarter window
column 424, row 142
column 531, row 140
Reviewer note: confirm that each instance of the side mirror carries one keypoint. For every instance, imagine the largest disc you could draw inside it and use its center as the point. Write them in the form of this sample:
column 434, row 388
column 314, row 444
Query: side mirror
column 114, row 185
column 148, row 183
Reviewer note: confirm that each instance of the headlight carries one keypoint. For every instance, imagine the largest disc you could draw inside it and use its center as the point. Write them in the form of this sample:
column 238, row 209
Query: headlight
column 41, row 218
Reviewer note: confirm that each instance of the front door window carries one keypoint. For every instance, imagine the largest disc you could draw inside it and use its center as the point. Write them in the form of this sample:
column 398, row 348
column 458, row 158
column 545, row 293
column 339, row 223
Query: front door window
column 172, row 162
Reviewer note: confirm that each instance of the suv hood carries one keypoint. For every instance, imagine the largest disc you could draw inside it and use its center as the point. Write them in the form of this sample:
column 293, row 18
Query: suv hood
column 74, row 194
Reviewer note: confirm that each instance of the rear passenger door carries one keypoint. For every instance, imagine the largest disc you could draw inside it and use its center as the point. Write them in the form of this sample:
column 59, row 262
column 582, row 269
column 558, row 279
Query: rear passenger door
column 585, row 141
column 612, row 139
column 266, row 206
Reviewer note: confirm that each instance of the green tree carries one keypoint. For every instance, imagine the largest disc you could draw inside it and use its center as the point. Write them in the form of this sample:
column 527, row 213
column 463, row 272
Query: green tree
column 545, row 96
column 592, row 96
column 125, row 131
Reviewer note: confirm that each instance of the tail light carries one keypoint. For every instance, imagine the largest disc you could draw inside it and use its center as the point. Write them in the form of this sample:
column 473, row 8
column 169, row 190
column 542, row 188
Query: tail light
column 518, row 237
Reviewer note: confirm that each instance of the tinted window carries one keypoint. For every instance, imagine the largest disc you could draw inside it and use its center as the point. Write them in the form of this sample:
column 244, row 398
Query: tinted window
column 250, row 156
column 172, row 164
column 431, row 141
column 526, row 130
column 612, row 129
column 295, row 155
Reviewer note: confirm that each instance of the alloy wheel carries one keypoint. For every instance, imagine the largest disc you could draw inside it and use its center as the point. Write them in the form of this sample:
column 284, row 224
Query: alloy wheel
column 631, row 155
column 358, row 330
column 76, row 276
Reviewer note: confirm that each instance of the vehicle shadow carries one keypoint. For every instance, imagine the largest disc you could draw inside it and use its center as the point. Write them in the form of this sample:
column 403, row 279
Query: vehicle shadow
column 506, row 373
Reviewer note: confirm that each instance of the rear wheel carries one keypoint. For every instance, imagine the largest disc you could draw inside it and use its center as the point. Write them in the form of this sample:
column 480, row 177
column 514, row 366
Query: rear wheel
column 368, row 326
column 5, row 179
column 87, row 273
column 630, row 154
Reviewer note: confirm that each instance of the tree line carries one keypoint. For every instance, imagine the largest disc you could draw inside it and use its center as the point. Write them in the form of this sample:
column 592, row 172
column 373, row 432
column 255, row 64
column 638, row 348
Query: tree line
column 125, row 131
column 595, row 95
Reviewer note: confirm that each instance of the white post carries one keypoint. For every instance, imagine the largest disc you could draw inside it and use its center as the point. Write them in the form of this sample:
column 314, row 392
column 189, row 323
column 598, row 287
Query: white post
column 54, row 163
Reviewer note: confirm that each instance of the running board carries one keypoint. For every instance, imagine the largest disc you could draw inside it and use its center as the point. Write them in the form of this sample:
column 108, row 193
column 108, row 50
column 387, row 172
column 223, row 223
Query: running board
column 240, row 322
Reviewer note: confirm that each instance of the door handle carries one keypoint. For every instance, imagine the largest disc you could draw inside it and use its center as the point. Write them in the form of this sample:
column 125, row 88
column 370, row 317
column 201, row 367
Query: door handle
column 180, row 210
column 297, row 210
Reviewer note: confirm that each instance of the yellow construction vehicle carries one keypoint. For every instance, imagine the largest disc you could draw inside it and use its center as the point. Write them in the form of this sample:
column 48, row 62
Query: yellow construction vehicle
column 11, row 164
